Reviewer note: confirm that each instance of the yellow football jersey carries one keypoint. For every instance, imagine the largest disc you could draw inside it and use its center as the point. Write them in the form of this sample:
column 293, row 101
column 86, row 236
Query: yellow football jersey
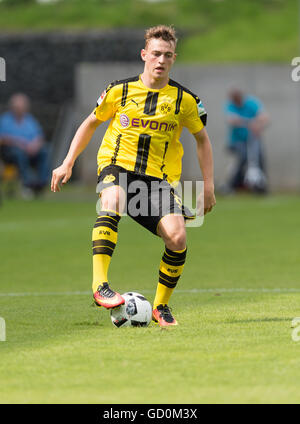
column 143, row 135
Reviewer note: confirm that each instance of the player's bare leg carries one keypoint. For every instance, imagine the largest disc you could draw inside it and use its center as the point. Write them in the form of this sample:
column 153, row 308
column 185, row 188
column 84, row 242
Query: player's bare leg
column 172, row 230
column 105, row 234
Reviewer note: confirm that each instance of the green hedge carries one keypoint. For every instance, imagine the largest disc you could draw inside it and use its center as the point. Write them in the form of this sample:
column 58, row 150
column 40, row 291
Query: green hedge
column 215, row 30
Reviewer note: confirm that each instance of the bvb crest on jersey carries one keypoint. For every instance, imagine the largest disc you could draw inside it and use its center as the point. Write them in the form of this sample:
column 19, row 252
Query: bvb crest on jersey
column 165, row 108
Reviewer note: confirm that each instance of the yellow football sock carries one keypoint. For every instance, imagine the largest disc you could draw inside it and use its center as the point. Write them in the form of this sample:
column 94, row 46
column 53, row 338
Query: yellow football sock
column 170, row 270
column 105, row 235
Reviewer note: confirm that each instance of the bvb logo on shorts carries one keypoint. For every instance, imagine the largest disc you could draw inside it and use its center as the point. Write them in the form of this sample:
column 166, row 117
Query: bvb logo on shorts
column 165, row 108
column 109, row 179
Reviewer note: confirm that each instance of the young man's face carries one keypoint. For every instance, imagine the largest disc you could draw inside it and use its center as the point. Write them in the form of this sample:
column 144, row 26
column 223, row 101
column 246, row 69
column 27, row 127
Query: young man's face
column 159, row 56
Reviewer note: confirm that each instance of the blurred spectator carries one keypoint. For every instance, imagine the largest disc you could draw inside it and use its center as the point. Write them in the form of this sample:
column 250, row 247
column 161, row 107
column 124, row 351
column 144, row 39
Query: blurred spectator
column 22, row 143
column 246, row 121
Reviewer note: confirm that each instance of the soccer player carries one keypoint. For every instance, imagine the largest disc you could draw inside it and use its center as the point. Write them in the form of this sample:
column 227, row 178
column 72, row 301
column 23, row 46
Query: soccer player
column 147, row 113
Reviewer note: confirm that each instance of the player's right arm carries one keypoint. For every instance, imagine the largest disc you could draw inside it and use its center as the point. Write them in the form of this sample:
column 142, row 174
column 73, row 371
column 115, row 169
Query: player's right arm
column 81, row 139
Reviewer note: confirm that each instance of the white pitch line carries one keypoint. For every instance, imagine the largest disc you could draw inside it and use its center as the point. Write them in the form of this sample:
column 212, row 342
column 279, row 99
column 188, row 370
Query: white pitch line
column 213, row 290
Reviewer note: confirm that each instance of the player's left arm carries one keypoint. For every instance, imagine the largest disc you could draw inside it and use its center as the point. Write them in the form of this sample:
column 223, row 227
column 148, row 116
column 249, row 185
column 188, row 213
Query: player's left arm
column 194, row 117
column 205, row 158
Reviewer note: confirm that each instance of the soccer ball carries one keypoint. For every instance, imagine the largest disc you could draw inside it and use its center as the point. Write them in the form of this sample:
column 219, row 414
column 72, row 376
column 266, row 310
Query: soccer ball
column 135, row 312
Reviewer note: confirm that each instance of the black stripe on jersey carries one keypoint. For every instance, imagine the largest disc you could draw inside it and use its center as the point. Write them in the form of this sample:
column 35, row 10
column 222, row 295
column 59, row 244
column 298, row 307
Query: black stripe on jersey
column 163, row 159
column 151, row 103
column 118, row 82
column 178, row 100
column 117, row 148
column 124, row 94
column 142, row 153
column 176, row 84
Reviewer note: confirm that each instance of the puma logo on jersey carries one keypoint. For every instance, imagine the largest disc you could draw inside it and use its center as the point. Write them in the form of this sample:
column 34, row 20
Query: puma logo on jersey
column 135, row 102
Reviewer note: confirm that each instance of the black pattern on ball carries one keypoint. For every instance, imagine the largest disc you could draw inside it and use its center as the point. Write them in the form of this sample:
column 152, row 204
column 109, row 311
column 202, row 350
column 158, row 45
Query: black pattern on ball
column 131, row 308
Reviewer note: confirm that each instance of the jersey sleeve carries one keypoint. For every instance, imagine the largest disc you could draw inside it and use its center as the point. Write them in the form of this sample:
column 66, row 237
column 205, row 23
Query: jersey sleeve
column 194, row 115
column 106, row 105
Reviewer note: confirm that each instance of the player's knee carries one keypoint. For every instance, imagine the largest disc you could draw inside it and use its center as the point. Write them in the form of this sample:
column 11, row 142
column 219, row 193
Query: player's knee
column 176, row 240
column 112, row 198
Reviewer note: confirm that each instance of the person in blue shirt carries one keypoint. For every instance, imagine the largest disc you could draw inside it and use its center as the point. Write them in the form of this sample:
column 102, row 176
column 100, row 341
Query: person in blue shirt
column 22, row 142
column 246, row 121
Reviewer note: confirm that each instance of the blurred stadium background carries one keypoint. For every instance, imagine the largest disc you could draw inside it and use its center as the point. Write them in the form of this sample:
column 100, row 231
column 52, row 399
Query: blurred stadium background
column 242, row 278
column 62, row 53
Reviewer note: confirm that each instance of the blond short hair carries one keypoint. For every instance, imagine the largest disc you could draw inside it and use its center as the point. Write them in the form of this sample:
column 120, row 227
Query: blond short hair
column 167, row 33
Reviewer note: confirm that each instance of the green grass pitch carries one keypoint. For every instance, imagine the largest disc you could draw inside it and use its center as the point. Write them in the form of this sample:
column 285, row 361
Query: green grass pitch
column 235, row 302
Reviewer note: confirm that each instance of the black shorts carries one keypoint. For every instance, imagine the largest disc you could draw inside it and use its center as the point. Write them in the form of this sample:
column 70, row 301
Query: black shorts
column 148, row 199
